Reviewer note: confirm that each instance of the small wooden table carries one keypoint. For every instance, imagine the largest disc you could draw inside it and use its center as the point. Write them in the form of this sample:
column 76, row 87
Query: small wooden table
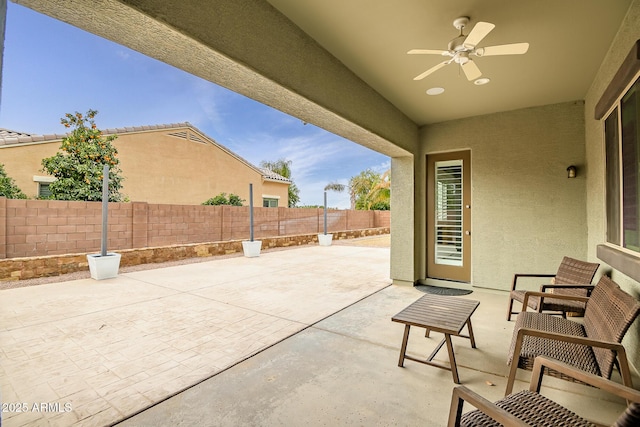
column 444, row 314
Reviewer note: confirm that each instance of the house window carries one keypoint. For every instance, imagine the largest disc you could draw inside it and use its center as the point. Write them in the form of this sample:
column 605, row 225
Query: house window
column 43, row 182
column 43, row 190
column 622, row 147
column 269, row 203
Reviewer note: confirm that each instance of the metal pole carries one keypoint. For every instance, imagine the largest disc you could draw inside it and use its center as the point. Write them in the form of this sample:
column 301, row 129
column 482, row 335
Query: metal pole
column 325, row 212
column 251, row 211
column 105, row 206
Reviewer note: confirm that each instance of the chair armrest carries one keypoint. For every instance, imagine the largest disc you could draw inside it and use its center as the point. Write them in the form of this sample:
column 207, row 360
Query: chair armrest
column 612, row 387
column 588, row 287
column 518, row 275
column 610, row 345
column 462, row 394
column 542, row 295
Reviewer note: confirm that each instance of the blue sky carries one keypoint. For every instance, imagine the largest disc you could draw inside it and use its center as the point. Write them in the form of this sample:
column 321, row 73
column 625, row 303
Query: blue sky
column 51, row 68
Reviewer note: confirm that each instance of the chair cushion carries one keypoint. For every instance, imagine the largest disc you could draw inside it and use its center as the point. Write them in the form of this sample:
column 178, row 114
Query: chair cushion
column 530, row 407
column 578, row 355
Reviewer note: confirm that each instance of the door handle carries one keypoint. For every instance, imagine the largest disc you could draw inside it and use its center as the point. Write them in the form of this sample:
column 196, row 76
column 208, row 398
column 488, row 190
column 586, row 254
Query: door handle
column 468, row 233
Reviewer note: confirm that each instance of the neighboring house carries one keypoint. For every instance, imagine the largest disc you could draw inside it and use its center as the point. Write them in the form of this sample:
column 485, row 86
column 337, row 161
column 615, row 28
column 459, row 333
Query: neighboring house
column 171, row 163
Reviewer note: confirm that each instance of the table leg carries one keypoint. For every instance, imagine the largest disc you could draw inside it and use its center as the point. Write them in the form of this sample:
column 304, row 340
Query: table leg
column 473, row 341
column 452, row 359
column 403, row 349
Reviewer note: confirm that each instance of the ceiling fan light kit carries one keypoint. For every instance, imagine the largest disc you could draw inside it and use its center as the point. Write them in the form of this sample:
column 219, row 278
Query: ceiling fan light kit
column 435, row 91
column 462, row 48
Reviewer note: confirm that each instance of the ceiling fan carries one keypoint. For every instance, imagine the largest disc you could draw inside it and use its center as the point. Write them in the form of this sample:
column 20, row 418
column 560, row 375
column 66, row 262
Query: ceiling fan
column 461, row 49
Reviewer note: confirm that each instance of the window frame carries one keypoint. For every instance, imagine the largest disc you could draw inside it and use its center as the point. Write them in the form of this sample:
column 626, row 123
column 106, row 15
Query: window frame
column 617, row 257
column 619, row 242
column 40, row 181
column 269, row 200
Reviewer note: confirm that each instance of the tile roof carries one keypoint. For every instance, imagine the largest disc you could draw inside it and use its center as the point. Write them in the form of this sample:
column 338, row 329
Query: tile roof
column 10, row 137
column 269, row 174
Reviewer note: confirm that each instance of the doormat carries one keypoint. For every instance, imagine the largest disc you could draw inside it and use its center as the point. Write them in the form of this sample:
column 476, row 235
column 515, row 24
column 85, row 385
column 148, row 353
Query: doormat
column 438, row 290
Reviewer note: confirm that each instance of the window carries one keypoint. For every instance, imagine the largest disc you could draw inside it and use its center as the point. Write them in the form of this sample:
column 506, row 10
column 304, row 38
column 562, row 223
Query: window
column 43, row 190
column 622, row 149
column 448, row 199
column 43, row 185
column 269, row 203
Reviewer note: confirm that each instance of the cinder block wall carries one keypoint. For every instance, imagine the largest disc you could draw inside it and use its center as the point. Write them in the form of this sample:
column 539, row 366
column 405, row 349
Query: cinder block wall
column 42, row 227
column 31, row 228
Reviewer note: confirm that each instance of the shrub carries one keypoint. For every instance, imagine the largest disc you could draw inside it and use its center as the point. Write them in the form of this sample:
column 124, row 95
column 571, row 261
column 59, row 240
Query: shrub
column 8, row 188
column 221, row 199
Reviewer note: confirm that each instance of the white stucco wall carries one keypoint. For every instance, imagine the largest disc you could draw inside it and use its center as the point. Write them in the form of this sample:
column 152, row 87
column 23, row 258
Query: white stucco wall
column 526, row 213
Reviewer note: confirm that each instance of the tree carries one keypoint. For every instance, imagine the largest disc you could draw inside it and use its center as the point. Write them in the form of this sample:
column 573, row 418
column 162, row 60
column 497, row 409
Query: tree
column 370, row 191
column 283, row 167
column 78, row 165
column 360, row 185
column 379, row 197
column 8, row 187
column 221, row 199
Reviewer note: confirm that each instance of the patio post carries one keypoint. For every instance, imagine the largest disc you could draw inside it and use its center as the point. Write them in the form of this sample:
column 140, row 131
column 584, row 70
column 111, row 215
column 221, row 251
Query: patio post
column 105, row 207
column 325, row 212
column 251, row 212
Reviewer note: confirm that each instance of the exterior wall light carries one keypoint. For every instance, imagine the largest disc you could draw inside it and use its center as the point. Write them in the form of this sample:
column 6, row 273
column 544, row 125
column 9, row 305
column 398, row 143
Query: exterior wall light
column 571, row 171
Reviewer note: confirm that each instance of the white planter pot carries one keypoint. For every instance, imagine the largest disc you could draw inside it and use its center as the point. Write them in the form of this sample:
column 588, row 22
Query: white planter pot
column 251, row 249
column 325, row 239
column 104, row 267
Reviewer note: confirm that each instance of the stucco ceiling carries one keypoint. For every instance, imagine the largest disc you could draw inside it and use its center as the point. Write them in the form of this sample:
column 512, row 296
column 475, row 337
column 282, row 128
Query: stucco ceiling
column 568, row 41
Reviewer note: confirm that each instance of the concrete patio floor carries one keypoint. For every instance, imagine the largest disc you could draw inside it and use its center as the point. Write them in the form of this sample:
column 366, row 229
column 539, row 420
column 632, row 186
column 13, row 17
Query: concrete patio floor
column 294, row 337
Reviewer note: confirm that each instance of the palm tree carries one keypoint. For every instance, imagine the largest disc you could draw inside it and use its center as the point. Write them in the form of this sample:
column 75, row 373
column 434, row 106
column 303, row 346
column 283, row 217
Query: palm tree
column 379, row 198
column 283, row 167
column 334, row 186
column 360, row 185
column 370, row 190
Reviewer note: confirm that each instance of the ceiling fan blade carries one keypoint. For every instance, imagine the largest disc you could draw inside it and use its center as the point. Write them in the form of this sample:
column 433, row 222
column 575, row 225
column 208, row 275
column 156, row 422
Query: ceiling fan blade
column 471, row 70
column 504, row 49
column 479, row 32
column 427, row 52
column 431, row 70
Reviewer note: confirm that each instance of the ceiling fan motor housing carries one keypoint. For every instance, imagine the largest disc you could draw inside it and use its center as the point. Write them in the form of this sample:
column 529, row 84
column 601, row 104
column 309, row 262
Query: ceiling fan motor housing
column 460, row 23
column 457, row 44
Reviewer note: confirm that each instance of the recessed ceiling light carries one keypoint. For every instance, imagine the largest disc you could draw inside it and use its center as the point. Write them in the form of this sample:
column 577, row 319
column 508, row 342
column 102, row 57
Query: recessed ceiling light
column 435, row 91
column 481, row 81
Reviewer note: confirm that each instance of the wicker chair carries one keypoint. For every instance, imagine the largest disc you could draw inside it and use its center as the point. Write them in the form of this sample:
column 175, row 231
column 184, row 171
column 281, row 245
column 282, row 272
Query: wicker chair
column 591, row 345
column 571, row 272
column 530, row 408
